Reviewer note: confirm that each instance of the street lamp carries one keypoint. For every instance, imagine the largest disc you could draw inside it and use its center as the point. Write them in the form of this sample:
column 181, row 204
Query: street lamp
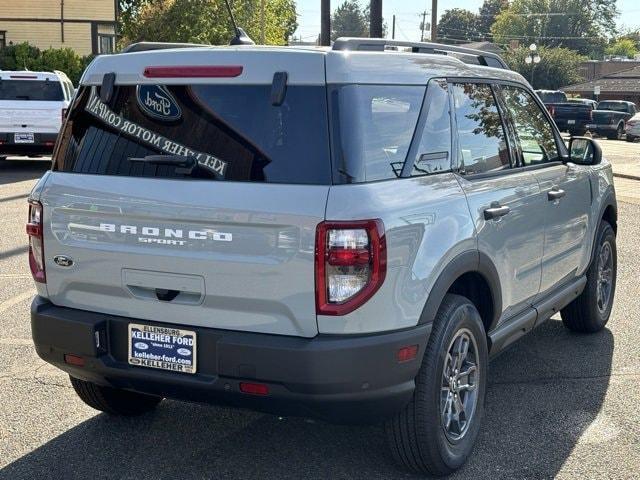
column 532, row 58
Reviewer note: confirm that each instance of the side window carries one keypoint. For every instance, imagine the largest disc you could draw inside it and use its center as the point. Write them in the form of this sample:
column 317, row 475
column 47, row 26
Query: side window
column 535, row 134
column 433, row 152
column 482, row 145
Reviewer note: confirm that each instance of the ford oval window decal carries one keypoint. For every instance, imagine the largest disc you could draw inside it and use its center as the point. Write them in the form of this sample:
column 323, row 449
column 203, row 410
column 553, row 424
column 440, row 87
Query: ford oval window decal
column 156, row 102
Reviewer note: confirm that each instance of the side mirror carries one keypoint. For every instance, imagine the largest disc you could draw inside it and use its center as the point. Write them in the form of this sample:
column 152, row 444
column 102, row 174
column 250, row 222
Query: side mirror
column 584, row 151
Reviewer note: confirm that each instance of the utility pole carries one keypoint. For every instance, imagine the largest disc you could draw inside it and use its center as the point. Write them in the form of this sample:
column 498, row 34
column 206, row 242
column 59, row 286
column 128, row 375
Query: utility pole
column 393, row 28
column 375, row 20
column 325, row 22
column 434, row 20
column 423, row 25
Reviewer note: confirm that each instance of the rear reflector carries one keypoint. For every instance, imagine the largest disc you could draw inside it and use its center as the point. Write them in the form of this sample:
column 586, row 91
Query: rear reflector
column 254, row 388
column 407, row 353
column 205, row 71
column 74, row 360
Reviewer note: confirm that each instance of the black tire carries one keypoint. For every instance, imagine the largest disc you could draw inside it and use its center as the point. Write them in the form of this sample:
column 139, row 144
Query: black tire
column 631, row 139
column 586, row 314
column 416, row 435
column 112, row 400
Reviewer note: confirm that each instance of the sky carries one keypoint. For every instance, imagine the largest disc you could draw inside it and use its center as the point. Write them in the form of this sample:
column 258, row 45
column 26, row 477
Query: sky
column 408, row 15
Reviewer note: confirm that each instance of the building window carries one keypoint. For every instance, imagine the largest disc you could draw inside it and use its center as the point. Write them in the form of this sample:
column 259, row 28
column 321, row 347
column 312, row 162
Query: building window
column 3, row 39
column 106, row 43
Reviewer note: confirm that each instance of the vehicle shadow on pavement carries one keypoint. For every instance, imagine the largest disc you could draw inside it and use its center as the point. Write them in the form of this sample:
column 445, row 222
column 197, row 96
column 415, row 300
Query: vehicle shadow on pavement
column 12, row 171
column 543, row 394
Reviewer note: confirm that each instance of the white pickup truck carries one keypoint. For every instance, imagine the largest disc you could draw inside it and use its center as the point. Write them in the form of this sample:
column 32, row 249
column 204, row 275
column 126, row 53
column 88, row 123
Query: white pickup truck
column 32, row 108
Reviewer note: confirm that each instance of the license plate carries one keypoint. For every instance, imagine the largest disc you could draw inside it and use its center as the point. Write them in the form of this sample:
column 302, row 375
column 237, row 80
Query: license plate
column 571, row 122
column 163, row 348
column 23, row 138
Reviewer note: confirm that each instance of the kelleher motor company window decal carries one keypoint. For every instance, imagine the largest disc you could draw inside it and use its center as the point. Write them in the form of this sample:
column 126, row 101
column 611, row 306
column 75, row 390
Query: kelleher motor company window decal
column 101, row 111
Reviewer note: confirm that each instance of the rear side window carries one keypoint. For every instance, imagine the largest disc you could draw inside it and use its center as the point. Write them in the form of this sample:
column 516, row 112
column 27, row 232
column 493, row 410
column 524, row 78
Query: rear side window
column 230, row 132
column 373, row 127
column 432, row 153
column 482, row 145
column 34, row 90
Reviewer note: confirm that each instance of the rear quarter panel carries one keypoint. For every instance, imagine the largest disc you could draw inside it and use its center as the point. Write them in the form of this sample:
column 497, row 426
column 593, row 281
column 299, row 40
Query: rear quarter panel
column 427, row 224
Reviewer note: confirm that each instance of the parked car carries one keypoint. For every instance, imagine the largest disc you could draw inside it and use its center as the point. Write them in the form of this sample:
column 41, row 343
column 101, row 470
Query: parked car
column 32, row 108
column 610, row 117
column 341, row 234
column 570, row 116
column 632, row 128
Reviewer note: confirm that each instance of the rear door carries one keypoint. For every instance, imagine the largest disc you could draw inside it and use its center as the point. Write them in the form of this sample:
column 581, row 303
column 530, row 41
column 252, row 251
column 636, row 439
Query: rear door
column 504, row 201
column 225, row 240
column 565, row 187
column 30, row 105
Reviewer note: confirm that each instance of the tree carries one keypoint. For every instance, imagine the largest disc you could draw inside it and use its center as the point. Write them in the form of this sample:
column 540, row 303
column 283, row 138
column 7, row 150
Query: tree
column 487, row 15
column 207, row 21
column 349, row 20
column 580, row 25
column 24, row 56
column 622, row 47
column 458, row 26
column 558, row 67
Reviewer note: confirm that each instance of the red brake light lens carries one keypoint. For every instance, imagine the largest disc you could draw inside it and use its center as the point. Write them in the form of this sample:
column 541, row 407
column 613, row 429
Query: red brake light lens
column 196, row 71
column 254, row 388
column 351, row 262
column 36, row 242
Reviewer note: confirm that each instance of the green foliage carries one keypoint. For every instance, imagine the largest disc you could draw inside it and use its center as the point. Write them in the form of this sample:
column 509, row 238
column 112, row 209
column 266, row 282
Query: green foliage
column 23, row 56
column 622, row 47
column 580, row 25
column 558, row 67
column 458, row 25
column 487, row 15
column 349, row 20
column 205, row 21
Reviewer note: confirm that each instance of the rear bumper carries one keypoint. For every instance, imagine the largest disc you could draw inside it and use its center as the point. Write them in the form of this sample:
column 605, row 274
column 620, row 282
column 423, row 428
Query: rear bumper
column 43, row 144
column 335, row 378
column 564, row 125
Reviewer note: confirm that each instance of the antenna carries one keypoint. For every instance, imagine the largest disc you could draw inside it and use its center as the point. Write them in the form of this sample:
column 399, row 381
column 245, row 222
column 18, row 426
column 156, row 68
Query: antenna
column 241, row 37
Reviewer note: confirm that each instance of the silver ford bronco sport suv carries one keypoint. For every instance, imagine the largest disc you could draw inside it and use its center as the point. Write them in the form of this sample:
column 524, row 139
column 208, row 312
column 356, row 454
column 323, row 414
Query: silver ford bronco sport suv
column 346, row 233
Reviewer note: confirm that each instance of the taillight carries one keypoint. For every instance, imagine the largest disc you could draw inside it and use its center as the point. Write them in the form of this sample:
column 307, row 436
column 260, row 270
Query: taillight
column 194, row 71
column 351, row 263
column 36, row 243
column 552, row 110
column 590, row 114
column 64, row 114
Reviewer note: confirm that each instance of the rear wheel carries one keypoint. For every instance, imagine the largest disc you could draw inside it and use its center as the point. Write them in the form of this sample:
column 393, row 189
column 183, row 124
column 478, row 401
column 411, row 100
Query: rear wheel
column 436, row 431
column 590, row 312
column 113, row 400
column 619, row 133
column 630, row 138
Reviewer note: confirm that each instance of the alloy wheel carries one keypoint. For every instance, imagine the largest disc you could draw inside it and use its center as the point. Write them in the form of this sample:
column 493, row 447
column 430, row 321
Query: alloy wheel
column 605, row 277
column 459, row 387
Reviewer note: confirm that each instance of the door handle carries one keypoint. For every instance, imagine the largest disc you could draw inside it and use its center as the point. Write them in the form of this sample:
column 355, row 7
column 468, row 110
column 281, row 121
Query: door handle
column 555, row 194
column 496, row 212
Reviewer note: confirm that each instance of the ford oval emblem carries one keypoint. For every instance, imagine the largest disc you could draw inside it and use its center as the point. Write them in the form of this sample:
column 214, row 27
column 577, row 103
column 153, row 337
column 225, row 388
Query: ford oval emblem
column 184, row 352
column 63, row 260
column 156, row 102
column 141, row 345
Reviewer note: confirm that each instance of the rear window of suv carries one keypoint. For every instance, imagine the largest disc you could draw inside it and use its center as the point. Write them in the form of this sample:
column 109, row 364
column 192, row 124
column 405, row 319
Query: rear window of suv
column 35, row 90
column 230, row 132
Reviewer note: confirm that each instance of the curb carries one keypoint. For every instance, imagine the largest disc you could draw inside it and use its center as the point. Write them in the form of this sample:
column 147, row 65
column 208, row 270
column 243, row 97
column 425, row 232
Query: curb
column 624, row 175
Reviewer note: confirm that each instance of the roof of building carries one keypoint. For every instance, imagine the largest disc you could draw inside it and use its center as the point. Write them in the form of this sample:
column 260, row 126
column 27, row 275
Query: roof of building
column 620, row 82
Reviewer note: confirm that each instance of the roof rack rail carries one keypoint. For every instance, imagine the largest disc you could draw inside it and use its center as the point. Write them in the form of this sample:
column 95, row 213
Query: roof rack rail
column 145, row 46
column 380, row 44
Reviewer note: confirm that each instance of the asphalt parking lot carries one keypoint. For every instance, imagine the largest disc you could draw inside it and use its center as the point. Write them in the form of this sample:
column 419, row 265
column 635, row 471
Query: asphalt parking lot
column 558, row 405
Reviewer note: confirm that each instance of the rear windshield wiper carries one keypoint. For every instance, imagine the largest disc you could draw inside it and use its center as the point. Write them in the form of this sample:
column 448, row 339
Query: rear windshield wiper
column 185, row 164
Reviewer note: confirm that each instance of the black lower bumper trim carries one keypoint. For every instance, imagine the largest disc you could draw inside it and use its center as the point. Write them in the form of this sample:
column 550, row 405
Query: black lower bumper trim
column 335, row 378
column 43, row 144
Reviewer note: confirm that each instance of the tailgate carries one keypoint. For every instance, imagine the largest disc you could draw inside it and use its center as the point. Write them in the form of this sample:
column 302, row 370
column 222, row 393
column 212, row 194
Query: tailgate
column 30, row 115
column 235, row 255
column 193, row 201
